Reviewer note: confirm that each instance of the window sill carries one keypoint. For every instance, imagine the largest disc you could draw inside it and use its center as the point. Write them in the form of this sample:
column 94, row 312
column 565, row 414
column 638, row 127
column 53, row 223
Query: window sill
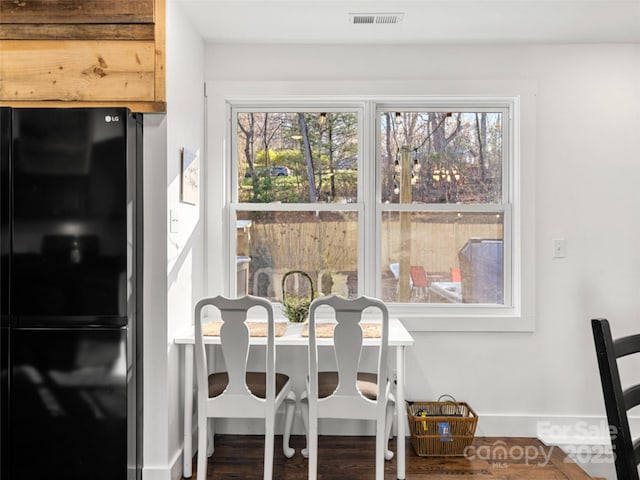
column 435, row 318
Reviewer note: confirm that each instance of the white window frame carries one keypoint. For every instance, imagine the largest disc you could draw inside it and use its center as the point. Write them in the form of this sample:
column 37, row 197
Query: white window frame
column 518, row 316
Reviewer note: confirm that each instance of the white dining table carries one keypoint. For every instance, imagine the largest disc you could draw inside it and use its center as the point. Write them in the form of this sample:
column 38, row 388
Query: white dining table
column 399, row 339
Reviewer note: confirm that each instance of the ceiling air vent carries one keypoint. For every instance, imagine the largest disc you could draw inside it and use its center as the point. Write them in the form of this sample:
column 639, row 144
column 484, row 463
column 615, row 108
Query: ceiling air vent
column 375, row 18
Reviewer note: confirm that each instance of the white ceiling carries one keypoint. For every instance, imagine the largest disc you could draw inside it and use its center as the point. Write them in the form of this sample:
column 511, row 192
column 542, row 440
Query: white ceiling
column 425, row 21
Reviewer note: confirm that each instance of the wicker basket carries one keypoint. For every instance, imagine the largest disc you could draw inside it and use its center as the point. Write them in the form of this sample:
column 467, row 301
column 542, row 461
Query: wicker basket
column 441, row 428
column 296, row 308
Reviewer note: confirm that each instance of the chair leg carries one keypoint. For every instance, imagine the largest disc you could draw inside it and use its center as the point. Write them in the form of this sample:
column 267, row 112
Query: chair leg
column 304, row 410
column 290, row 408
column 202, row 446
column 388, row 454
column 381, row 443
column 210, row 437
column 312, row 447
column 269, row 432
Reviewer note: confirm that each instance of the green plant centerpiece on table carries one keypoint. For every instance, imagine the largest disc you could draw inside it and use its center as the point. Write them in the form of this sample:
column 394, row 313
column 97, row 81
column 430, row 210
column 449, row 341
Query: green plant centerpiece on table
column 296, row 308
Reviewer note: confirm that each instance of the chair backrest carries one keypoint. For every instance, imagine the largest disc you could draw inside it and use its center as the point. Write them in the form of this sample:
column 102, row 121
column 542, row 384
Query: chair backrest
column 348, row 341
column 234, row 338
column 455, row 274
column 419, row 277
column 617, row 401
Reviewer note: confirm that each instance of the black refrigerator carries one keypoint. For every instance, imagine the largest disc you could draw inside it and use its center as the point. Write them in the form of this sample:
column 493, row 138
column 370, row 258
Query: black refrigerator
column 70, row 279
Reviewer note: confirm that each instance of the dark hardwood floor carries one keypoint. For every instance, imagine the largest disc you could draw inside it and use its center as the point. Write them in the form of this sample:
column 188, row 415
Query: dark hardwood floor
column 352, row 458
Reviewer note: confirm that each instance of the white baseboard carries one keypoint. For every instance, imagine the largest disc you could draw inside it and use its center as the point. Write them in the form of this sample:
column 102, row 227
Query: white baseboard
column 156, row 473
column 171, row 472
column 325, row 427
column 551, row 429
column 176, row 466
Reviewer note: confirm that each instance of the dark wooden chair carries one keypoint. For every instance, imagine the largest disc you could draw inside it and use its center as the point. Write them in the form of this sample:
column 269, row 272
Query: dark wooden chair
column 617, row 401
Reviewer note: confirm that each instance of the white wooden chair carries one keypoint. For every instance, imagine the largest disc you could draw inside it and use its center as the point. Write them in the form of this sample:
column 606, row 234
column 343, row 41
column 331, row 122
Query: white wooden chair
column 348, row 393
column 237, row 393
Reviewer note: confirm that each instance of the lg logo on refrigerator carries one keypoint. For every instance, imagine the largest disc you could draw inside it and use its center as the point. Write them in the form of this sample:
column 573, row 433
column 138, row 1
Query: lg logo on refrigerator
column 111, row 118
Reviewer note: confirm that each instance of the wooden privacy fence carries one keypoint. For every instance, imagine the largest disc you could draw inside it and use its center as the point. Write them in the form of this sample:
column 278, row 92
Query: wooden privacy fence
column 332, row 246
column 434, row 246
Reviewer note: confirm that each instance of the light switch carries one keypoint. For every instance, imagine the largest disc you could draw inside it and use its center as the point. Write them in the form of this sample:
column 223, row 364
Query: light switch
column 559, row 248
column 174, row 221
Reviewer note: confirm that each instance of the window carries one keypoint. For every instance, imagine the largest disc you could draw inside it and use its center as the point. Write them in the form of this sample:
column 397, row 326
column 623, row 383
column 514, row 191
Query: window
column 297, row 200
column 412, row 202
column 443, row 206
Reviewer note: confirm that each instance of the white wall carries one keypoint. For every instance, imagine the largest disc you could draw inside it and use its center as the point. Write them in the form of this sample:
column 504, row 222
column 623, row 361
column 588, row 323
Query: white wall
column 586, row 172
column 185, row 249
column 173, row 272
